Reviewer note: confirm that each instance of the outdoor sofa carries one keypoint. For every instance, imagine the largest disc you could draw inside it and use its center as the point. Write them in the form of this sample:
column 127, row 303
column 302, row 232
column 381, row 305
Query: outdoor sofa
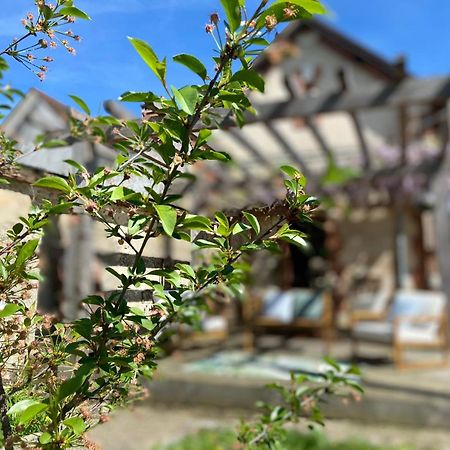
column 414, row 320
column 289, row 313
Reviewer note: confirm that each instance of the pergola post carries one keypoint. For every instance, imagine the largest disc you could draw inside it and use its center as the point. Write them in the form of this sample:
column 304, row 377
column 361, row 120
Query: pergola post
column 441, row 191
column 400, row 234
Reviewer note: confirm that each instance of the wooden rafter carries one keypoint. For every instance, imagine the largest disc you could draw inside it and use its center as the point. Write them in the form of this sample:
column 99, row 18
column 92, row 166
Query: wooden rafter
column 309, row 122
column 403, row 127
column 408, row 92
column 366, row 163
column 288, row 149
column 238, row 136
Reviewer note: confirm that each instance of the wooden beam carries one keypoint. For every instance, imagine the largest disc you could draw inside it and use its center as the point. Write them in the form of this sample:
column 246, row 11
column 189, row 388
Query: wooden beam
column 289, row 150
column 127, row 260
column 309, row 122
column 133, row 295
column 365, row 153
column 238, row 136
column 408, row 92
column 441, row 191
column 403, row 127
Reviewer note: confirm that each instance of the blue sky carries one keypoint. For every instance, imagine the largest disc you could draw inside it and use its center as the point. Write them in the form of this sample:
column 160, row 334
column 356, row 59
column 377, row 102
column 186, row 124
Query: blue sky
column 106, row 65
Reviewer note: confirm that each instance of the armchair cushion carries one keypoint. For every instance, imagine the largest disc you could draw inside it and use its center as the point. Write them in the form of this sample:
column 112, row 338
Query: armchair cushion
column 415, row 318
column 374, row 331
column 286, row 306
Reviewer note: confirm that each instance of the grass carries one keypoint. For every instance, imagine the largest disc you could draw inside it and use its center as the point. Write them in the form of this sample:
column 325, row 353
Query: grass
column 226, row 440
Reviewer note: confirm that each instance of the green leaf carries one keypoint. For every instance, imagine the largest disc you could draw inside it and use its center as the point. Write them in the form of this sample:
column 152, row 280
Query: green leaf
column 31, row 412
column 290, row 171
column 149, row 56
column 75, row 164
column 192, row 63
column 187, row 98
column 224, row 225
column 8, row 310
column 203, row 137
column 52, row 182
column 240, row 227
column 27, row 409
column 140, row 97
column 253, row 221
column 20, row 407
column 3, row 271
column 76, row 424
column 252, row 78
column 312, row 6
column 232, row 10
column 332, row 363
column 73, row 384
column 168, row 217
column 81, row 103
column 294, row 239
column 120, row 193
column 54, row 143
column 197, row 223
column 355, row 385
column 75, row 12
column 277, row 10
column 212, row 155
column 26, row 252
column 186, row 269
column 203, row 243
column 337, row 176
column 45, row 438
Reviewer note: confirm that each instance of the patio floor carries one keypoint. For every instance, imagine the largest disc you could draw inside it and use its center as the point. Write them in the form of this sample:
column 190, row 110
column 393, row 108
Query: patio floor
column 230, row 377
column 214, row 386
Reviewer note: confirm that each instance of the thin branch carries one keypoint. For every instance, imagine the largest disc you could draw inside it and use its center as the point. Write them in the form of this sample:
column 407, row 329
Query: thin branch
column 4, row 419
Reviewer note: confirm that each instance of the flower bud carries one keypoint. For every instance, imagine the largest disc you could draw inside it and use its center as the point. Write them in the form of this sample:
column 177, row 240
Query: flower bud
column 271, row 22
column 214, row 18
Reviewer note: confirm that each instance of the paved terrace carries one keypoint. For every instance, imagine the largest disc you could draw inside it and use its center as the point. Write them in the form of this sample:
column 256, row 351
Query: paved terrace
column 193, row 390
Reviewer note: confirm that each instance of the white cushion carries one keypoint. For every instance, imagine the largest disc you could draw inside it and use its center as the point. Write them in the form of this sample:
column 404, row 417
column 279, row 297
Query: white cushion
column 418, row 333
column 374, row 331
column 279, row 306
column 214, row 323
column 410, row 303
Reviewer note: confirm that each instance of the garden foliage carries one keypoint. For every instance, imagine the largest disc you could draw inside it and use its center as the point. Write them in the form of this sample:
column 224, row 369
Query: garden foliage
column 59, row 378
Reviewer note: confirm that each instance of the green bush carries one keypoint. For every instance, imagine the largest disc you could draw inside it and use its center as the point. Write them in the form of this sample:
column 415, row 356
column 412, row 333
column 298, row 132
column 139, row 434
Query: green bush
column 226, row 440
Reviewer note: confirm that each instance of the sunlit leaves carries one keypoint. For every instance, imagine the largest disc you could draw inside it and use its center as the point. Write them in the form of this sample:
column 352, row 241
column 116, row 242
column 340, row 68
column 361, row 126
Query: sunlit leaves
column 81, row 103
column 187, row 98
column 253, row 221
column 168, row 217
column 97, row 356
column 312, row 6
column 53, row 182
column 8, row 310
column 76, row 424
column 251, row 78
column 26, row 252
column 141, row 97
column 26, row 410
column 294, row 237
column 232, row 10
column 74, row 12
column 149, row 56
column 192, row 63
column 337, row 176
column 200, row 223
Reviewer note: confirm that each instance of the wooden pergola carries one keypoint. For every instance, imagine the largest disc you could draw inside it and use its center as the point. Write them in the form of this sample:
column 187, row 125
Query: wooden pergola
column 418, row 106
column 421, row 102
